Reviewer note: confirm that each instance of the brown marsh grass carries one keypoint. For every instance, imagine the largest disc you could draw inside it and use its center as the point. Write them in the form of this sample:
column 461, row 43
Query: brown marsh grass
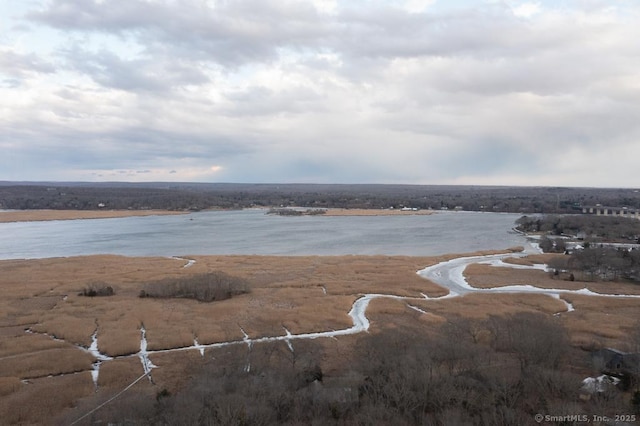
column 46, row 362
column 40, row 401
column 601, row 321
column 301, row 294
column 487, row 276
column 117, row 374
column 481, row 306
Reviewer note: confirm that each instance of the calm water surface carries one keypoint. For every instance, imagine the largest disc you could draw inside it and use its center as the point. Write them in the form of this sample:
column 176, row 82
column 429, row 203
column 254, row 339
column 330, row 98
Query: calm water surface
column 254, row 232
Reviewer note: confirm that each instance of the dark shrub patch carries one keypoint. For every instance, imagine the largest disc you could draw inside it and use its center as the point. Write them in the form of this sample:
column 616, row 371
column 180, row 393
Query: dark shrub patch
column 203, row 287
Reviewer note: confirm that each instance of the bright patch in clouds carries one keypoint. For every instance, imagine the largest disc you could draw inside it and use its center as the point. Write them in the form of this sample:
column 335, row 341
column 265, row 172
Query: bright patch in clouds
column 417, row 6
column 526, row 10
column 416, row 91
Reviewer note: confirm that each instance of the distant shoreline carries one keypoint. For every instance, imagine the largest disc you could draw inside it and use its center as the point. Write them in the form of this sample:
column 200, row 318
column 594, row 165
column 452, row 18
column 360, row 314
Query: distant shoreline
column 47, row 215
column 375, row 212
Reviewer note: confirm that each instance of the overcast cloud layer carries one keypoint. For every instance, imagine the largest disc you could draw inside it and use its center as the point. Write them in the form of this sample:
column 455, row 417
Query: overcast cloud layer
column 358, row 91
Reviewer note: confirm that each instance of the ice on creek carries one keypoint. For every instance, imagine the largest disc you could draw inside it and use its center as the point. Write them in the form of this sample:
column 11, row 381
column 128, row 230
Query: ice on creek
column 415, row 308
column 93, row 350
column 247, row 340
column 198, row 346
column 451, row 295
column 568, row 305
column 190, row 262
column 147, row 365
column 288, row 339
column 500, row 263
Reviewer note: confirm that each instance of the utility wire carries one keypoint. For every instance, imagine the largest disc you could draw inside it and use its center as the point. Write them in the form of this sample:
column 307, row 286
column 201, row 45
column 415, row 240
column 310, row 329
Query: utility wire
column 112, row 398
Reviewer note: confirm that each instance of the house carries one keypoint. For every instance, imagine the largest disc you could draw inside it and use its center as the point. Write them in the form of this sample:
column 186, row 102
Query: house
column 618, row 364
column 592, row 385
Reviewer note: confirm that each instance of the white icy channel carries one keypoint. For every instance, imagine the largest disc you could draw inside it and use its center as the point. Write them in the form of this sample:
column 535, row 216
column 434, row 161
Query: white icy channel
column 147, row 365
column 190, row 262
column 93, row 350
column 450, row 274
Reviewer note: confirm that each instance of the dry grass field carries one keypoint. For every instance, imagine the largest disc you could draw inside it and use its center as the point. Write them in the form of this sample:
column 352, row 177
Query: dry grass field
column 41, row 215
column 298, row 294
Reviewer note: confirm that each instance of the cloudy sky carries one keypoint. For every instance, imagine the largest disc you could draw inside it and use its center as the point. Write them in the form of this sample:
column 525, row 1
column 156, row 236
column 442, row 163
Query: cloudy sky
column 330, row 91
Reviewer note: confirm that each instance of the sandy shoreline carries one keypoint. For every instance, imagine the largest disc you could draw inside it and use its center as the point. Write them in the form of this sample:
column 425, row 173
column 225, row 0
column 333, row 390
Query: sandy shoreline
column 45, row 215
column 375, row 212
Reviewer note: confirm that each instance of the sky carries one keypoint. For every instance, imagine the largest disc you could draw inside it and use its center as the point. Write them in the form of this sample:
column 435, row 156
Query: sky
column 483, row 92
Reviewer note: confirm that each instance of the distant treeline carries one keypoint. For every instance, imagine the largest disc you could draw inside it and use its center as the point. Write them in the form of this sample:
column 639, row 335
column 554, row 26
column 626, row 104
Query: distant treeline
column 587, row 227
column 183, row 196
column 296, row 212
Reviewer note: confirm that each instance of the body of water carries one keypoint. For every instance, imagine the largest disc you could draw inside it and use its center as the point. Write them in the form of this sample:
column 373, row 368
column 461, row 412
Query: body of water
column 254, row 232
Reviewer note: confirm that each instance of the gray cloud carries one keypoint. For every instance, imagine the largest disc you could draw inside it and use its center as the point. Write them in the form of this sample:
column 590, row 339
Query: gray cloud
column 150, row 74
column 231, row 33
column 272, row 90
column 22, row 65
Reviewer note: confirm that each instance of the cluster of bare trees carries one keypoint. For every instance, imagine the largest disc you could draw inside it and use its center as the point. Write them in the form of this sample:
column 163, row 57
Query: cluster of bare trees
column 296, row 212
column 601, row 263
column 205, row 287
column 97, row 289
column 596, row 258
column 499, row 371
column 589, row 227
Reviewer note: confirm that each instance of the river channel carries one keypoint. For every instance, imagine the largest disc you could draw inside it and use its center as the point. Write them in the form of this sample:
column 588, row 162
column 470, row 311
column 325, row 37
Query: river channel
column 255, row 232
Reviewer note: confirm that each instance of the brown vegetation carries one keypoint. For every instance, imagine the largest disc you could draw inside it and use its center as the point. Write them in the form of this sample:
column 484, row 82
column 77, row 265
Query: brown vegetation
column 42, row 215
column 40, row 401
column 487, row 276
column 301, row 294
column 97, row 289
column 522, row 366
column 201, row 287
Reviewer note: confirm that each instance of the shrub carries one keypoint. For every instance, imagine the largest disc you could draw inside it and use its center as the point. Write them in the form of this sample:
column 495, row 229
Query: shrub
column 97, row 289
column 203, row 287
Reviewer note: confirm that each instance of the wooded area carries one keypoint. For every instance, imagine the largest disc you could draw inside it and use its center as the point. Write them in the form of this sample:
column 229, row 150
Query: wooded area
column 498, row 371
column 193, row 196
column 592, row 244
column 585, row 227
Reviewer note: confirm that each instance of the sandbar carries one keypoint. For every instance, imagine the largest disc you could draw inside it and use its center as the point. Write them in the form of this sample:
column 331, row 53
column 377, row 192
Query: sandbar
column 375, row 212
column 45, row 215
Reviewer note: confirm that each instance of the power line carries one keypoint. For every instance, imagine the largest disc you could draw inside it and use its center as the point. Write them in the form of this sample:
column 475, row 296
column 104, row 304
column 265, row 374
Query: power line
column 112, row 398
